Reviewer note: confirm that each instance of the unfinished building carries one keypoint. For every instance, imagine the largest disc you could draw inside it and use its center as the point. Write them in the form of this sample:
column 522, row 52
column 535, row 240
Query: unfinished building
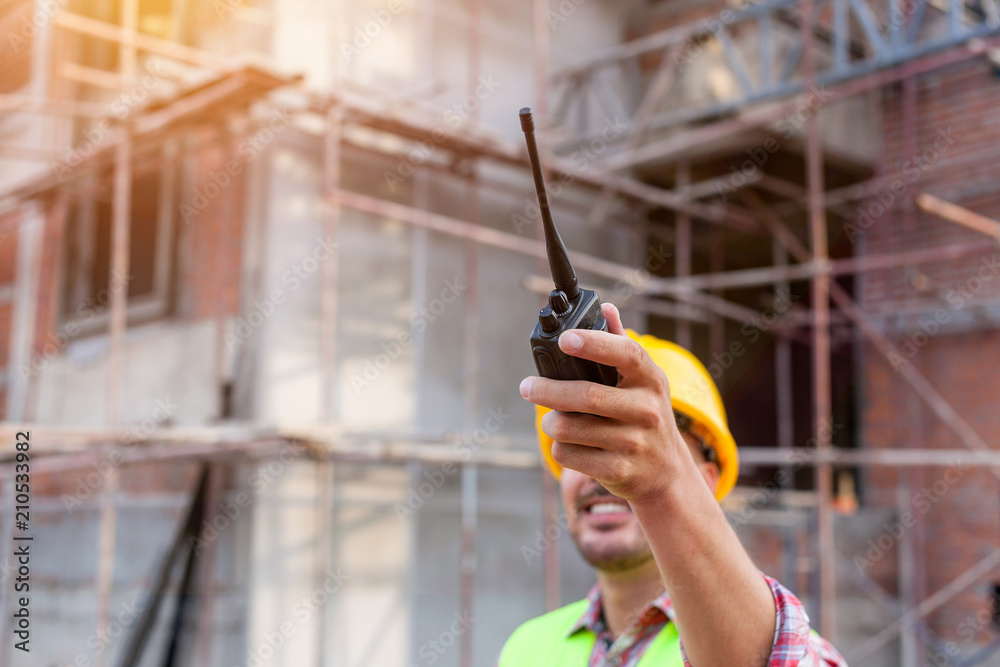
column 269, row 268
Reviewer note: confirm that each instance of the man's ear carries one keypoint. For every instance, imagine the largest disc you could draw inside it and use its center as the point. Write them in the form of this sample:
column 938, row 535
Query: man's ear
column 710, row 472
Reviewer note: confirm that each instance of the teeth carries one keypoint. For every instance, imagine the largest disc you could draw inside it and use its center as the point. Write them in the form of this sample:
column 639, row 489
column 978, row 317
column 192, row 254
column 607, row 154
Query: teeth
column 607, row 508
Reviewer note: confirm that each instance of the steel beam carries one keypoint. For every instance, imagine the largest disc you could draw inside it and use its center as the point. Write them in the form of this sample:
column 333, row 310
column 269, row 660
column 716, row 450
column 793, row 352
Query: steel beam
column 471, row 347
column 743, row 278
column 120, row 232
column 662, row 39
column 822, row 401
column 682, row 247
column 783, row 377
column 332, row 148
column 680, row 144
column 120, row 257
column 666, row 74
column 878, row 457
column 324, row 547
column 902, row 48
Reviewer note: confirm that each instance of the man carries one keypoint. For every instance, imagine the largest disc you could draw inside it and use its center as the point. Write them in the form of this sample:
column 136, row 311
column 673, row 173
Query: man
column 674, row 584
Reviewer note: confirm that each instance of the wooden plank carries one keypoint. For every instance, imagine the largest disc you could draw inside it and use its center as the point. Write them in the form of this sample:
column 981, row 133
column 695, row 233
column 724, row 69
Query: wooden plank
column 959, row 214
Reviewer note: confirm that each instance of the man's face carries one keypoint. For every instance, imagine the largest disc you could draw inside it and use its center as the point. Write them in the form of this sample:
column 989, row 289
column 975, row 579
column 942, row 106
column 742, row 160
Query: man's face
column 605, row 530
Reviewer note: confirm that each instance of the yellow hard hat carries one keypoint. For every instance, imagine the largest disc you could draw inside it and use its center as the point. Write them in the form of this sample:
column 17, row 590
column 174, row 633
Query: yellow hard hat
column 693, row 394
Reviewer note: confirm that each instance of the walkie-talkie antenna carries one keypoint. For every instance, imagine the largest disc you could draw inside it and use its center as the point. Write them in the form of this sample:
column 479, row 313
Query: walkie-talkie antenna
column 563, row 274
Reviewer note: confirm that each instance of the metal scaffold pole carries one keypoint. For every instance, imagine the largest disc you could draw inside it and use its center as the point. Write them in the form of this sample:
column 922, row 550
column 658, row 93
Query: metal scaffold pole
column 470, row 473
column 329, row 407
column 682, row 247
column 822, row 410
column 120, row 232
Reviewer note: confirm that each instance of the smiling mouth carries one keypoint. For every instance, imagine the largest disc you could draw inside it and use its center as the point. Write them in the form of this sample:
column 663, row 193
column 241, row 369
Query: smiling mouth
column 602, row 507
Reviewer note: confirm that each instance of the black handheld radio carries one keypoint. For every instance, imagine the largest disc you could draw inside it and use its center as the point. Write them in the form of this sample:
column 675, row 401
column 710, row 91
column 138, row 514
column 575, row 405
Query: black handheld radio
column 569, row 307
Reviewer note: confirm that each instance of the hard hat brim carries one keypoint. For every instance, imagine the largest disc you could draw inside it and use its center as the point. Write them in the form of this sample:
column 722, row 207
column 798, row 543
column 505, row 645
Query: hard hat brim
column 719, row 438
column 722, row 442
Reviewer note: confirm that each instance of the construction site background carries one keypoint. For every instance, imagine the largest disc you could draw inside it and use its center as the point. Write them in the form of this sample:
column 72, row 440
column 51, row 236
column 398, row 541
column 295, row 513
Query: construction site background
column 268, row 271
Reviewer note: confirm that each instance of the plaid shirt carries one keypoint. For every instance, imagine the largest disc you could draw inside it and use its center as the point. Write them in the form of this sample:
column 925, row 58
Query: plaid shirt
column 793, row 645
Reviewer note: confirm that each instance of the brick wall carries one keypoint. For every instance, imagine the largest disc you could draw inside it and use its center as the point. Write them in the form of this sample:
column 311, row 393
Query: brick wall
column 213, row 236
column 959, row 507
column 206, row 282
column 953, row 124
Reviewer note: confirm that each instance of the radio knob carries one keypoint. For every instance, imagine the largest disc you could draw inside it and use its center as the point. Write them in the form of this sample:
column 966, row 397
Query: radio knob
column 558, row 302
column 548, row 320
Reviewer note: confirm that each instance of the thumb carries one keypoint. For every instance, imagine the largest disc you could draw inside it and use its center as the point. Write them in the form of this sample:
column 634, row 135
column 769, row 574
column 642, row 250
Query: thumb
column 614, row 318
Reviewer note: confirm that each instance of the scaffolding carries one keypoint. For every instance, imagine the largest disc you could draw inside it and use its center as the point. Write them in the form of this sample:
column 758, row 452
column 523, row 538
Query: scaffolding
column 827, row 52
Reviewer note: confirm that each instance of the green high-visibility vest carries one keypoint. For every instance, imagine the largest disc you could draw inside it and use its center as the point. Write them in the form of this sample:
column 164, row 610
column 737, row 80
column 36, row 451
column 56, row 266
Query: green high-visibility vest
column 543, row 642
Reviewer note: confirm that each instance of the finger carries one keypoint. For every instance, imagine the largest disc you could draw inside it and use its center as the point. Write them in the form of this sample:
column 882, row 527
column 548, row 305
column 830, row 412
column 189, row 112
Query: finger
column 583, row 429
column 590, row 461
column 606, row 348
column 614, row 318
column 583, row 396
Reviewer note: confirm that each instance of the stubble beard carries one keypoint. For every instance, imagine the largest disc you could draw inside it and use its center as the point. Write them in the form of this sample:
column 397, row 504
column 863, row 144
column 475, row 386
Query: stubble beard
column 618, row 557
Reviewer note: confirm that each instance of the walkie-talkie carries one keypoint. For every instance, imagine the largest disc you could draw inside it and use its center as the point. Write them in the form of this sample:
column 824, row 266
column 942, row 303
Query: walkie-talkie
column 569, row 307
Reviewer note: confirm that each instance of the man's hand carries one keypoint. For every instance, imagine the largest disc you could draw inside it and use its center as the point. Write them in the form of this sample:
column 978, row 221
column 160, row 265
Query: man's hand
column 625, row 437
column 629, row 442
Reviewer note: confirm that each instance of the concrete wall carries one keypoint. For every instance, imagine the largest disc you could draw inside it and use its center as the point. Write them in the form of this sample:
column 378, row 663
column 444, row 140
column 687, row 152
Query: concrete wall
column 152, row 504
column 400, row 356
column 165, row 365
